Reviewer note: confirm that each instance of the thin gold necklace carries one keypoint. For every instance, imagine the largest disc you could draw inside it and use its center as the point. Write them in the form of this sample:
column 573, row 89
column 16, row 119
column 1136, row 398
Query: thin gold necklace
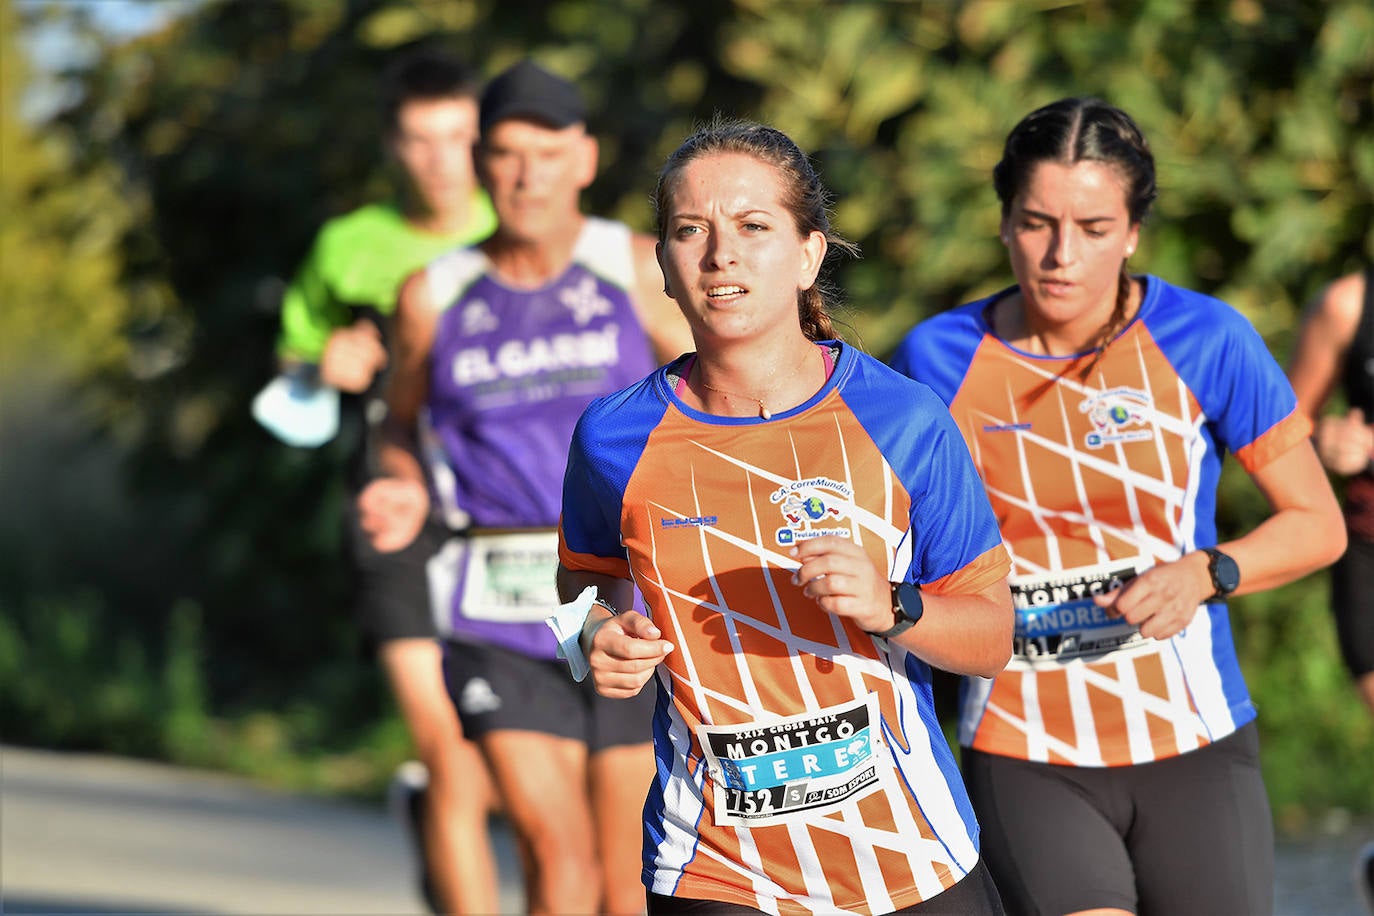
column 764, row 412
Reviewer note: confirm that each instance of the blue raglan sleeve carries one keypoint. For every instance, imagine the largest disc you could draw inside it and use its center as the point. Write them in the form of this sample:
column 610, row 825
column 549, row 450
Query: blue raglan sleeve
column 953, row 542
column 956, row 544
column 589, row 524
column 1244, row 394
column 938, row 351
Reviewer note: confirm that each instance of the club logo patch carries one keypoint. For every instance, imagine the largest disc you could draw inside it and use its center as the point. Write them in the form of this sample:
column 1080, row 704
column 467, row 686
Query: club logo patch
column 478, row 318
column 585, row 301
column 1118, row 415
column 811, row 509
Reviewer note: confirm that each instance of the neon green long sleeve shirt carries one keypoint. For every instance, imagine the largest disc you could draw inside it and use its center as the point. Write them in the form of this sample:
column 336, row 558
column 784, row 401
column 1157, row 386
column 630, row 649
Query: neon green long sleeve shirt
column 361, row 259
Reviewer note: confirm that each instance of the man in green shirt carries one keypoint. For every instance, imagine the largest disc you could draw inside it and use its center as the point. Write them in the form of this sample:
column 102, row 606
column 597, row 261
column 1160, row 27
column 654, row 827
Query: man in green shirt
column 333, row 331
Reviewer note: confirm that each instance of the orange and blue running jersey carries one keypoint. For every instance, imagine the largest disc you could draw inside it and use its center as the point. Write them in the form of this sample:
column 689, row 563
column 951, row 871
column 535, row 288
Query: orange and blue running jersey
column 1099, row 467
column 800, row 764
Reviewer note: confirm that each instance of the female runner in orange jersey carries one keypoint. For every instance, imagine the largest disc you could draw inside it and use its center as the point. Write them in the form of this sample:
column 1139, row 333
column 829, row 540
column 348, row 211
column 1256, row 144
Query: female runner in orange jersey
column 810, row 537
column 1114, row 764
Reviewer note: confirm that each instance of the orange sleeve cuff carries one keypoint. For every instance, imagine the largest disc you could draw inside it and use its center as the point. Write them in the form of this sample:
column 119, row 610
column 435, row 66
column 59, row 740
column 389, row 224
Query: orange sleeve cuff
column 990, row 567
column 1280, row 437
column 619, row 567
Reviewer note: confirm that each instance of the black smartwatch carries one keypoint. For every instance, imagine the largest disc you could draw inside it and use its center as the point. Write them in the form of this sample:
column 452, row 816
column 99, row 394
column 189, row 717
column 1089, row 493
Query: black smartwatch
column 907, row 609
column 1224, row 572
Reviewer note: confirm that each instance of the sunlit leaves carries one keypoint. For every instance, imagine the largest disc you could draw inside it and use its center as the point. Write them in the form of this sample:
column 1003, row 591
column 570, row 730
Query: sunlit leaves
column 59, row 261
column 397, row 23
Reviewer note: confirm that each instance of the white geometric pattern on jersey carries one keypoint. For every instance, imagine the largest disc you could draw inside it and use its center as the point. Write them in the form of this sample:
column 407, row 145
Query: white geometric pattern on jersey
column 765, row 555
column 1094, row 529
column 764, row 888
column 1036, row 736
column 1050, row 541
column 1163, row 707
column 813, row 875
column 865, row 861
column 1185, row 724
column 1193, row 653
column 1063, row 748
column 1137, row 726
column 920, row 768
column 1088, row 748
column 1203, row 684
column 1173, row 708
column 684, row 790
column 920, row 855
column 1196, row 455
column 1161, row 421
column 808, row 693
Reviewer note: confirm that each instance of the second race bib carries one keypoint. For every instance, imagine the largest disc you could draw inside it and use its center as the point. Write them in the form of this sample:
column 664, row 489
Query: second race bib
column 1057, row 621
column 509, row 577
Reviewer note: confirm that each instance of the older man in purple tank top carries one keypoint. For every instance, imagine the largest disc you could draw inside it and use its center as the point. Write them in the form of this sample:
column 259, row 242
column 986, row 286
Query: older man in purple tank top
column 499, row 347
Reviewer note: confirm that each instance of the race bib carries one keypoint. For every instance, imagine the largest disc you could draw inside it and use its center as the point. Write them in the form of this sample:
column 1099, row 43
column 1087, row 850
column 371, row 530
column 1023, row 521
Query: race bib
column 1057, row 621
column 509, row 578
column 762, row 773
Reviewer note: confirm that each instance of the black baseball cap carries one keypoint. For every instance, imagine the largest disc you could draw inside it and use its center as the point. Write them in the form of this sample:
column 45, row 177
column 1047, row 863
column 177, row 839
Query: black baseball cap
column 527, row 90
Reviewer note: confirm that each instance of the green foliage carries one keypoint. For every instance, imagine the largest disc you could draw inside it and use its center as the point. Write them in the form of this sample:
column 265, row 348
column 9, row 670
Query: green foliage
column 72, row 680
column 63, row 250
column 191, row 173
column 1317, row 736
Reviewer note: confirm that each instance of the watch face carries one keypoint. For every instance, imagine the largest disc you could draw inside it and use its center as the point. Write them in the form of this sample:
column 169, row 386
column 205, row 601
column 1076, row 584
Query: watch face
column 1225, row 573
column 906, row 610
column 909, row 599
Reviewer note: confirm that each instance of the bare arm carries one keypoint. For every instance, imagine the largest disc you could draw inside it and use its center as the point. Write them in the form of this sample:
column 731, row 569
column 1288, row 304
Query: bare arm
column 617, row 592
column 1345, row 444
column 963, row 634
column 1304, row 533
column 659, row 315
column 392, row 509
column 408, row 387
column 1328, row 328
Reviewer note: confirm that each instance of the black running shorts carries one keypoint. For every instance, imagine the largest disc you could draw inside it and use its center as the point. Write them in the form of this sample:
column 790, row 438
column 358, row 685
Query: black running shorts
column 495, row 689
column 1188, row 835
column 975, row 895
column 390, row 591
column 1352, row 603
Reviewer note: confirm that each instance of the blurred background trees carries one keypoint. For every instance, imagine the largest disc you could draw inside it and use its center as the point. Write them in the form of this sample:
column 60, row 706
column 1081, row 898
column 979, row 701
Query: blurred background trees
column 169, row 577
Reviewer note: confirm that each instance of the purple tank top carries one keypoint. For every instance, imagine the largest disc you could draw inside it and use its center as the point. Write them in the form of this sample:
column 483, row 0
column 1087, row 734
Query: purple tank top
column 511, row 372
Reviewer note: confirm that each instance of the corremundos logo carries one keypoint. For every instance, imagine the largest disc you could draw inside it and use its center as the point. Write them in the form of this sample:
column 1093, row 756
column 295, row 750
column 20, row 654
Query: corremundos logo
column 1118, row 415
column 812, row 508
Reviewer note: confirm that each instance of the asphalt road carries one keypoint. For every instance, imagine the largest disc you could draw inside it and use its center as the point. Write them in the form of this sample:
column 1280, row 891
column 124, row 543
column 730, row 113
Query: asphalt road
column 90, row 834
